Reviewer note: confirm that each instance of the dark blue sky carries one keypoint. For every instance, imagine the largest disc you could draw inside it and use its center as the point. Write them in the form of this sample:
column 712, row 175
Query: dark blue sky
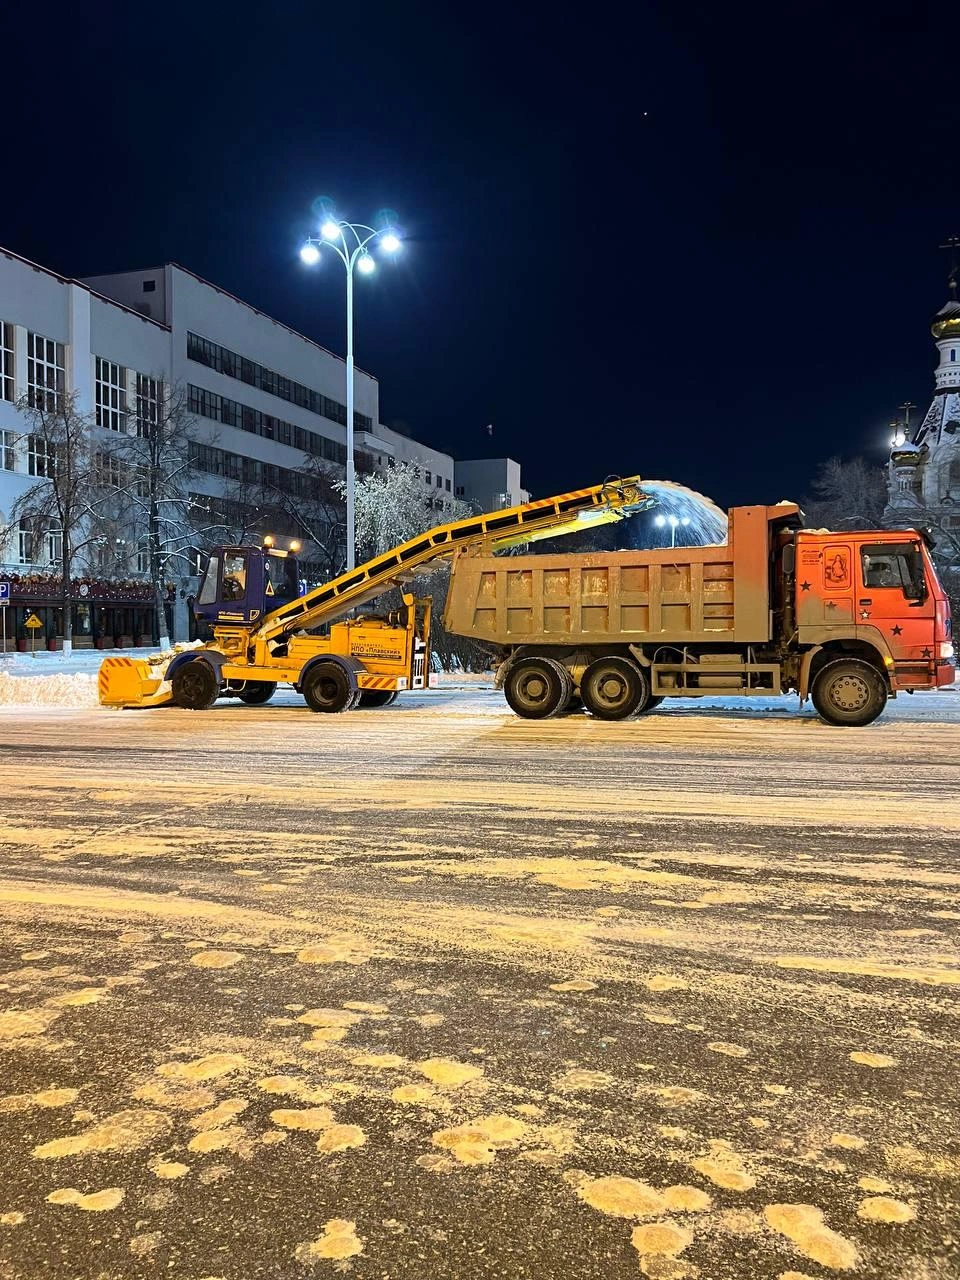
column 697, row 242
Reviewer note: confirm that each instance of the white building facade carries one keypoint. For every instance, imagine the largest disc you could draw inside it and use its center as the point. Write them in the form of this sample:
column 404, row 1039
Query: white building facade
column 263, row 400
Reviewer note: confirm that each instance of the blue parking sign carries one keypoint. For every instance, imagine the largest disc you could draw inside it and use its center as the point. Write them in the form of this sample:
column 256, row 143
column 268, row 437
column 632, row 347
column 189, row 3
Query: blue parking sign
column 4, row 593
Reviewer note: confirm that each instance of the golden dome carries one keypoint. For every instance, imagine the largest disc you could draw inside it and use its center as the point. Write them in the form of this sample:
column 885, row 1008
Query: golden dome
column 946, row 322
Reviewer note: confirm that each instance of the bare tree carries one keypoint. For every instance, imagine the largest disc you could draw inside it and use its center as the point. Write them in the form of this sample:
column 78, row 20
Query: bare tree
column 391, row 507
column 63, row 505
column 151, row 469
column 848, row 493
column 313, row 510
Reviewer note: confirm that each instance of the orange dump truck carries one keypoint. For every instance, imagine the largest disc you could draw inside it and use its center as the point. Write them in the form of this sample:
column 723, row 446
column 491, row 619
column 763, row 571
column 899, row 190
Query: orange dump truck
column 847, row 619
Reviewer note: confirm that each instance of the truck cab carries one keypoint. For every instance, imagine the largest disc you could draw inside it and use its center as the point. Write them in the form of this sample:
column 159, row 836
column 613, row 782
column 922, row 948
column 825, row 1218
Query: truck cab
column 242, row 584
column 880, row 590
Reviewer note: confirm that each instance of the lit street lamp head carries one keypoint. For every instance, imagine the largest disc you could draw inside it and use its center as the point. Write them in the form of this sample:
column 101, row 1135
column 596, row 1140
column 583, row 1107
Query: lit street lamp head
column 366, row 264
column 330, row 230
column 660, row 521
column 390, row 242
column 310, row 254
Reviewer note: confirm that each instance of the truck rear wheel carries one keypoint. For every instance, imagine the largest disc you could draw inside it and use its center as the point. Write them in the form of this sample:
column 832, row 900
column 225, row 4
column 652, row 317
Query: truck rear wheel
column 614, row 689
column 849, row 692
column 326, row 687
column 371, row 698
column 537, row 688
column 195, row 685
column 256, row 692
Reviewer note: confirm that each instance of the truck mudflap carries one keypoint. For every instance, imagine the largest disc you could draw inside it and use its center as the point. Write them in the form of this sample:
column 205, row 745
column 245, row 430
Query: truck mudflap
column 131, row 682
column 367, row 680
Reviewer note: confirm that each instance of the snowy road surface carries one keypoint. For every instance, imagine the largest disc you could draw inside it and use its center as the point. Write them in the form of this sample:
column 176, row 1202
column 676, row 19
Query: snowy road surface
column 435, row 992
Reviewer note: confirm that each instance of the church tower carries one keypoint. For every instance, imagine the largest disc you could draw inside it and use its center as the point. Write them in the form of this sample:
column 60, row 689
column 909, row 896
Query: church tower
column 924, row 472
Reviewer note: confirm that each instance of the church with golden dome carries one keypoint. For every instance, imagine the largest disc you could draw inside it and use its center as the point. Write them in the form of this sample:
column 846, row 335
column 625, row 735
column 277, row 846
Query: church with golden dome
column 924, row 470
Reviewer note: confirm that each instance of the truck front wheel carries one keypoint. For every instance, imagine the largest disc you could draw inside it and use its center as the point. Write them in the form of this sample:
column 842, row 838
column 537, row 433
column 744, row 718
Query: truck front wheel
column 195, row 685
column 326, row 687
column 849, row 692
column 537, row 688
column 614, row 689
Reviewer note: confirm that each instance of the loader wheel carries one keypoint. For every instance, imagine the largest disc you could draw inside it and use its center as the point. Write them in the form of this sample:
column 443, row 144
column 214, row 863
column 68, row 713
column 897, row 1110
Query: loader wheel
column 614, row 688
column 371, row 698
column 195, row 686
column 849, row 692
column 326, row 687
column 256, row 692
column 651, row 704
column 537, row 688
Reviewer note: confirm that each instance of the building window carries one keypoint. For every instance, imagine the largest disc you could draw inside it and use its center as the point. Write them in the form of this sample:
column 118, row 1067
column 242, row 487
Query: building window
column 149, row 286
column 447, row 483
column 149, row 400
column 459, row 490
column 41, row 456
column 111, row 395
column 110, row 470
column 45, row 373
column 143, row 557
column 953, row 353
column 428, row 478
column 7, row 454
column 54, row 542
column 6, row 361
column 25, row 541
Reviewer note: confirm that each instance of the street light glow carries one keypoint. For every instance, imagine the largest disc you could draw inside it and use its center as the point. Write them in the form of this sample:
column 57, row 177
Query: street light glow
column 366, row 264
column 330, row 230
column 660, row 521
column 390, row 242
column 310, row 254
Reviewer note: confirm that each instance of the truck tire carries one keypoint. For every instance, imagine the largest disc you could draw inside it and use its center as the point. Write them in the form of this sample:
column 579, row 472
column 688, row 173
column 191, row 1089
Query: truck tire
column 849, row 692
column 614, row 689
column 195, row 685
column 538, row 688
column 256, row 692
column 326, row 687
column 371, row 698
column 651, row 704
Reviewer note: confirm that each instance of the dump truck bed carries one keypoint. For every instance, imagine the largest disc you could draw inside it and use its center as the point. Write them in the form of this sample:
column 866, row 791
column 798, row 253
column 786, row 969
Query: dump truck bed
column 678, row 595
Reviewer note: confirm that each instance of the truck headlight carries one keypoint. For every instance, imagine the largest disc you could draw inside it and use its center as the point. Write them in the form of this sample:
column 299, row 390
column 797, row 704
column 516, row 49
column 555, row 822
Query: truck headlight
column 946, row 649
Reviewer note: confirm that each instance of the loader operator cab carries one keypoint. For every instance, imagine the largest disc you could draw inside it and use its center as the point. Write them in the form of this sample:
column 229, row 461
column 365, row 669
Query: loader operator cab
column 242, row 584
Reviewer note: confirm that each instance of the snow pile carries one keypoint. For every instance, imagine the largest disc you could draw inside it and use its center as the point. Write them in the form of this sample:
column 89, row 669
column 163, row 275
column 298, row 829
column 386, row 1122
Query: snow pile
column 77, row 690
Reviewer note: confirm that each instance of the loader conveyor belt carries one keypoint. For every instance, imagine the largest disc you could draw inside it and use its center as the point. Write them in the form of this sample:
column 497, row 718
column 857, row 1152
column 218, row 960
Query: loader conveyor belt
column 611, row 500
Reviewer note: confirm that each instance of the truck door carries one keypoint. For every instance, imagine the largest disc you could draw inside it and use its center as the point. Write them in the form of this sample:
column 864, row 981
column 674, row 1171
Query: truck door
column 895, row 598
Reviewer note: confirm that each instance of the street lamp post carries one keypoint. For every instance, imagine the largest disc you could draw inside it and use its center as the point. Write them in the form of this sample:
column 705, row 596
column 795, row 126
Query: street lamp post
column 349, row 241
column 674, row 522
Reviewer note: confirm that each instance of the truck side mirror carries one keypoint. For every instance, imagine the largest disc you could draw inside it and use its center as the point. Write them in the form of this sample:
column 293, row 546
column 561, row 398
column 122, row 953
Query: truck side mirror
column 789, row 557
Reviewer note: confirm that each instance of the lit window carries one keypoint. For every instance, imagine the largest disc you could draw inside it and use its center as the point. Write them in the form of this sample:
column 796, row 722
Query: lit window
column 6, row 363
column 111, row 395
column 45, row 373
column 7, row 454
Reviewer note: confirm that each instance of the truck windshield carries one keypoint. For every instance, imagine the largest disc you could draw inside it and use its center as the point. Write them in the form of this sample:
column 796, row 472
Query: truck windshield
column 897, row 565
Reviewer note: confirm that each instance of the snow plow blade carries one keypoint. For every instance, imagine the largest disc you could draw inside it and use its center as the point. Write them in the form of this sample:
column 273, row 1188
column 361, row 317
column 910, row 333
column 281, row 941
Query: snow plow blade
column 131, row 682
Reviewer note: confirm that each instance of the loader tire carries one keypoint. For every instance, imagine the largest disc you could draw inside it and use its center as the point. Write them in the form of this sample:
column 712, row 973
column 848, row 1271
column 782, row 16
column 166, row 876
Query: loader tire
column 614, row 688
column 538, row 688
column 849, row 692
column 256, row 692
column 195, row 686
column 371, row 698
column 326, row 687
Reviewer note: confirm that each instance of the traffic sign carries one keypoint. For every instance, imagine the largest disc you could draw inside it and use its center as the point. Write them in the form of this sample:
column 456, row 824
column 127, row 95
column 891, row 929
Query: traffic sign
column 4, row 593
column 33, row 622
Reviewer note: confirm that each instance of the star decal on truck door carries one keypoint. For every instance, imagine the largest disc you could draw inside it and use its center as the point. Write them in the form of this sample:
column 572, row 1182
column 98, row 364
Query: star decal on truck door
column 804, row 586
column 896, row 631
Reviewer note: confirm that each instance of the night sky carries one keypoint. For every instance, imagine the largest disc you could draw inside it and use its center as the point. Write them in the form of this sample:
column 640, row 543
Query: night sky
column 695, row 241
